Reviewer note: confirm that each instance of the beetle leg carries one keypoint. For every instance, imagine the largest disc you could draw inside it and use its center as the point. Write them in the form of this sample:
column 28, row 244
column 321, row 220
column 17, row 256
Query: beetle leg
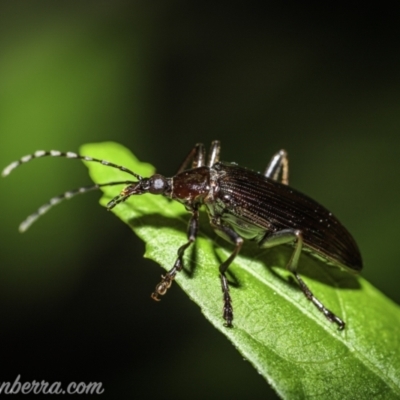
column 295, row 236
column 166, row 280
column 231, row 236
column 197, row 156
column 213, row 156
column 279, row 166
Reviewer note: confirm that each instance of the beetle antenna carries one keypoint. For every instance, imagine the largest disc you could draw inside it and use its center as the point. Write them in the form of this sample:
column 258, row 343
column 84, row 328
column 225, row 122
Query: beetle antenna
column 56, row 153
column 116, row 200
column 65, row 196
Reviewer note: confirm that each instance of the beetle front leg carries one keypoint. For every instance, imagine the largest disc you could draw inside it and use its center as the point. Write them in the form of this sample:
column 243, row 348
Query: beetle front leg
column 196, row 156
column 166, row 280
column 279, row 166
column 231, row 236
column 296, row 237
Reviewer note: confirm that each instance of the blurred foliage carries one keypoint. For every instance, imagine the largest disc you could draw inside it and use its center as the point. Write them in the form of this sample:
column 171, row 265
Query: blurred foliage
column 158, row 77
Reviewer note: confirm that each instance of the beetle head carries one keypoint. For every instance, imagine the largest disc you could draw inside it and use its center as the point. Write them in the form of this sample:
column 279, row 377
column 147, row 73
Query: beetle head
column 156, row 184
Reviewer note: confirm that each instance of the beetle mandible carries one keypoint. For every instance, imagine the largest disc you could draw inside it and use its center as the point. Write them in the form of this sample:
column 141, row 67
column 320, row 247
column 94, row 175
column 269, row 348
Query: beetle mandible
column 241, row 204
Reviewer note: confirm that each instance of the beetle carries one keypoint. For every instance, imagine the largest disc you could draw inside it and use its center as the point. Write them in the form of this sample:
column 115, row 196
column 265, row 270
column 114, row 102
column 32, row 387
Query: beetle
column 241, row 205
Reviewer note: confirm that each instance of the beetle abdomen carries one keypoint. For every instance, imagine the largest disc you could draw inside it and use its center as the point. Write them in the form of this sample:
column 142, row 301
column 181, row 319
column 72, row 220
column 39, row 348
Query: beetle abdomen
column 268, row 204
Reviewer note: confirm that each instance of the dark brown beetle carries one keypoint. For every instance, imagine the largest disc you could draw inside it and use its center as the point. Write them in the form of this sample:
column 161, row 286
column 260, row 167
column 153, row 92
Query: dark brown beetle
column 241, row 204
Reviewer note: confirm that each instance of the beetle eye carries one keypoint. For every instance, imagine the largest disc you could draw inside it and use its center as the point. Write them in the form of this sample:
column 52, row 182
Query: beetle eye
column 158, row 184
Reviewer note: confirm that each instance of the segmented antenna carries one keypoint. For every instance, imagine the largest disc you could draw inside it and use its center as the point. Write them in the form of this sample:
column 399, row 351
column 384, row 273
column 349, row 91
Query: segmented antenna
column 65, row 196
column 56, row 153
column 71, row 193
column 117, row 200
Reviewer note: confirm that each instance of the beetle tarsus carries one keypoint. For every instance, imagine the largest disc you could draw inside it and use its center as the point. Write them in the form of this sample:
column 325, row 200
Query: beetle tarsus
column 163, row 286
column 329, row 315
column 227, row 308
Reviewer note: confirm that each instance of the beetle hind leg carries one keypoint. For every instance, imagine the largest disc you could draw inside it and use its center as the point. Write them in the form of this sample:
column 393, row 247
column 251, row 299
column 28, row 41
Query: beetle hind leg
column 329, row 315
column 287, row 236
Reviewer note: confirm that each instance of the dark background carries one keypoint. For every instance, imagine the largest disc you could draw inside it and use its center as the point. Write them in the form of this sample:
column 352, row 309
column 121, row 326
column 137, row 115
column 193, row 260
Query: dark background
column 159, row 76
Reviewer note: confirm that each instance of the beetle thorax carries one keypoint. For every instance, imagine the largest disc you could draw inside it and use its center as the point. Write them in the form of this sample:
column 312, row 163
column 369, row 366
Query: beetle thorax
column 191, row 186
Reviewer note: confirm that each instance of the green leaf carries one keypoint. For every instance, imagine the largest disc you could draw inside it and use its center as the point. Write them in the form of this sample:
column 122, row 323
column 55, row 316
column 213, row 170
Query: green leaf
column 282, row 334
